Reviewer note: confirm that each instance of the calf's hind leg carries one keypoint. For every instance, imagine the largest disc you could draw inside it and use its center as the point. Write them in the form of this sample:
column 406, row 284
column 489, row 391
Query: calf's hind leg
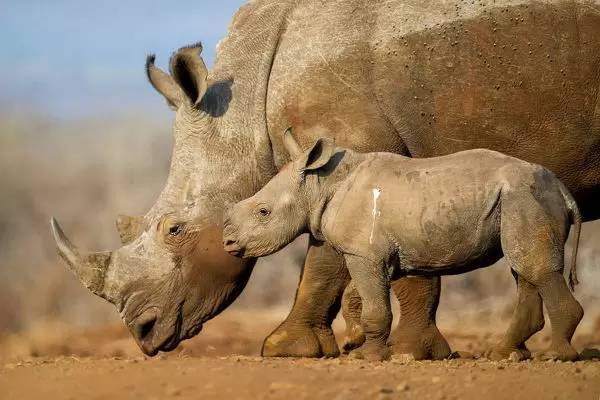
column 372, row 283
column 564, row 312
column 533, row 243
column 527, row 319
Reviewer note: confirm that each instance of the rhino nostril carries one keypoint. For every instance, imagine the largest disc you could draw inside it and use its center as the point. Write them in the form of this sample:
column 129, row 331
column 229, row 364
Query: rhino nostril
column 229, row 242
column 144, row 325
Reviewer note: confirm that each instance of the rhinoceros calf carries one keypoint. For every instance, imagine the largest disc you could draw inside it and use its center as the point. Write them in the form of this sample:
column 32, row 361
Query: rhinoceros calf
column 390, row 215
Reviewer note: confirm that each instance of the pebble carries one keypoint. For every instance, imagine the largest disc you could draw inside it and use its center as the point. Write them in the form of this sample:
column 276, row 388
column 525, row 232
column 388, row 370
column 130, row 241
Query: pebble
column 386, row 389
column 173, row 391
column 402, row 358
column 514, row 357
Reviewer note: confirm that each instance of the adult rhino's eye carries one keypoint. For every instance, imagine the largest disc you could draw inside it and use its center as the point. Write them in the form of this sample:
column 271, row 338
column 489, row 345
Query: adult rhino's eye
column 264, row 212
column 175, row 230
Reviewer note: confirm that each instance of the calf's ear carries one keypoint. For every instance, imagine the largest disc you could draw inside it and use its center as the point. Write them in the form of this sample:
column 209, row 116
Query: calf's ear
column 319, row 155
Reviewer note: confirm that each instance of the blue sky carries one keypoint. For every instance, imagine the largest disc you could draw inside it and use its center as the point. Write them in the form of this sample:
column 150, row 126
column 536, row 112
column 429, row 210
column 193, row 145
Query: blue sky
column 71, row 59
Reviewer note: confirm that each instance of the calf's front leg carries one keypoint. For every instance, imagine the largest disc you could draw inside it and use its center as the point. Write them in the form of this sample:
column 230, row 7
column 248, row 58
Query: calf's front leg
column 372, row 283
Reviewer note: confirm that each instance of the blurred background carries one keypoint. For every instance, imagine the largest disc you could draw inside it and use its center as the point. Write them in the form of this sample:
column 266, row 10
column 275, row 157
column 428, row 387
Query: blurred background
column 84, row 137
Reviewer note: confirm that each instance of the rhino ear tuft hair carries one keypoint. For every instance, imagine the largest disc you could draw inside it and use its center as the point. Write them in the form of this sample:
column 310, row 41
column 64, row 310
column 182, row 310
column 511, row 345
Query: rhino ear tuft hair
column 163, row 83
column 290, row 144
column 319, row 155
column 190, row 73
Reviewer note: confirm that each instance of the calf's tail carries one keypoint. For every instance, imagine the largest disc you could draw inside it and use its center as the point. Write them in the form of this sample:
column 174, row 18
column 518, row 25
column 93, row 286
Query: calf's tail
column 575, row 216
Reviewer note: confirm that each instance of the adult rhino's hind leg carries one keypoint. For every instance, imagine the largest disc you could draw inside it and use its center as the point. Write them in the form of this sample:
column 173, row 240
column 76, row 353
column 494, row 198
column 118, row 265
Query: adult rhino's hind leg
column 527, row 319
column 417, row 333
column 306, row 332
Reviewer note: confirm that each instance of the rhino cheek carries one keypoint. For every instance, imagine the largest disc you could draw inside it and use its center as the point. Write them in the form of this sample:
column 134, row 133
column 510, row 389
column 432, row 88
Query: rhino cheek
column 215, row 277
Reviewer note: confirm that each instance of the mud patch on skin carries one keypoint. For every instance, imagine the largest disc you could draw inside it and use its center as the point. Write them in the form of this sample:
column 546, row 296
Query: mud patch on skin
column 277, row 338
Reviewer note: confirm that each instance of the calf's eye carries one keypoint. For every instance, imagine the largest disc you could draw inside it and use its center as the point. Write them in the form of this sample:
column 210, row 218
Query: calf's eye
column 264, row 212
column 175, row 230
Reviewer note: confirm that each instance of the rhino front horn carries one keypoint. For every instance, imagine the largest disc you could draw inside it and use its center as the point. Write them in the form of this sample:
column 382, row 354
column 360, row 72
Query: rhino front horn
column 89, row 268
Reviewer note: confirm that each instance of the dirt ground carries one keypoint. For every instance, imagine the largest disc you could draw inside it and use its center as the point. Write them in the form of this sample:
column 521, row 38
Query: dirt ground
column 223, row 363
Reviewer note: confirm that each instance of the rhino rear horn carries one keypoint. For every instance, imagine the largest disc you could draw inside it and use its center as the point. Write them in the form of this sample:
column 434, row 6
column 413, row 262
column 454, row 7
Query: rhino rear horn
column 89, row 268
column 190, row 73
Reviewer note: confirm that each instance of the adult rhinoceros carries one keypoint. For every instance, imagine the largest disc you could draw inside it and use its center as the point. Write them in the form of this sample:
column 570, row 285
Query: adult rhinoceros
column 419, row 78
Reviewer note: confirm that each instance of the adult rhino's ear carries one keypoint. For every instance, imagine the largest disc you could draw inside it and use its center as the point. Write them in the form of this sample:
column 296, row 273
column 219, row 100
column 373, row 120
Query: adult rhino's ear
column 319, row 155
column 290, row 144
column 129, row 228
column 163, row 83
column 189, row 72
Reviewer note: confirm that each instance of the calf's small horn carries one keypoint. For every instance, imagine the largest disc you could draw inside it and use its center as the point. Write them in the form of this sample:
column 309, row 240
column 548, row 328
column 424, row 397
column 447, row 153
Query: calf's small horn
column 290, row 144
column 89, row 268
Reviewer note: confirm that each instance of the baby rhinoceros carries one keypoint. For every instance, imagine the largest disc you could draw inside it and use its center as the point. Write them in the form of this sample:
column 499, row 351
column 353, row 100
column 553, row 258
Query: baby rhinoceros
column 391, row 215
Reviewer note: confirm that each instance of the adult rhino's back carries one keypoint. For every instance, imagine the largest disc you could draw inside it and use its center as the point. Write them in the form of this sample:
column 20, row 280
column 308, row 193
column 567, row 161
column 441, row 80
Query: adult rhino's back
column 432, row 78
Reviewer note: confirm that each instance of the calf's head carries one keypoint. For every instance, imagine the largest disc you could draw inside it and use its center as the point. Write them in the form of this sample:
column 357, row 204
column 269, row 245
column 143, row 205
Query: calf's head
column 283, row 208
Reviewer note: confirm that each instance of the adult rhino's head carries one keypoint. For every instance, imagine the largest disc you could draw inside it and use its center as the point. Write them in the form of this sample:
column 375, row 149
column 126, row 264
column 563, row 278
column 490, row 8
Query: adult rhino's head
column 172, row 274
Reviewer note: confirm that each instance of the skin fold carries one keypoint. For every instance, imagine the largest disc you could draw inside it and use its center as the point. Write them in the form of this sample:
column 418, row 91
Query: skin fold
column 416, row 78
column 390, row 215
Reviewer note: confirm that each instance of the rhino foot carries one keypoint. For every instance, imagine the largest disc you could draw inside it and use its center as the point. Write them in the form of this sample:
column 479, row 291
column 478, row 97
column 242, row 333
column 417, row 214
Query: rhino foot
column 563, row 353
column 354, row 338
column 506, row 352
column 299, row 340
column 371, row 353
column 423, row 344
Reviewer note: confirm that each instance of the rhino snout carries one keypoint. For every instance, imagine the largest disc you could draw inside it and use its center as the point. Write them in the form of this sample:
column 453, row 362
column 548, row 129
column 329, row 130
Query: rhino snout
column 232, row 246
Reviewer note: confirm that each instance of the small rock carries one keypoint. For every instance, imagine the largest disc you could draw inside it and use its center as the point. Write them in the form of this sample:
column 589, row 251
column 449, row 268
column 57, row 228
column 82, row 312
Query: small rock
column 173, row 391
column 514, row 357
column 402, row 387
column 462, row 354
column 402, row 358
column 386, row 389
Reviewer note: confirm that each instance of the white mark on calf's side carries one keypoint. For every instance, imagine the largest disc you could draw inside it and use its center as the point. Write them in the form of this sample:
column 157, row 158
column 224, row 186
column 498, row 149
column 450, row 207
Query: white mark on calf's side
column 375, row 213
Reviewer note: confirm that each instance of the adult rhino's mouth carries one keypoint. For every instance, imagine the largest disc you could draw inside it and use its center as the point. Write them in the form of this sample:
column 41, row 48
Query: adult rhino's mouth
column 172, row 341
column 147, row 330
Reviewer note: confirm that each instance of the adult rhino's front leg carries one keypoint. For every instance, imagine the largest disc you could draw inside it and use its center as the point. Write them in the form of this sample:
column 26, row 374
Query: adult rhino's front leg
column 417, row 332
column 306, row 332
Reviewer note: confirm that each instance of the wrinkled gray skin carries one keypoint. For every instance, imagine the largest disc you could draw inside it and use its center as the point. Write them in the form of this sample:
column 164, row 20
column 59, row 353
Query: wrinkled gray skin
column 391, row 215
column 406, row 76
